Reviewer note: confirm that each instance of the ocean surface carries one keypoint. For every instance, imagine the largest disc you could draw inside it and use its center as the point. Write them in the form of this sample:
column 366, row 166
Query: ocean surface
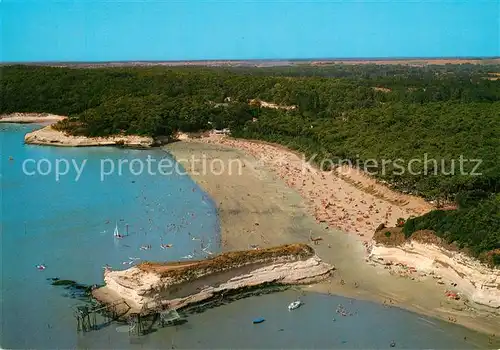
column 315, row 325
column 66, row 224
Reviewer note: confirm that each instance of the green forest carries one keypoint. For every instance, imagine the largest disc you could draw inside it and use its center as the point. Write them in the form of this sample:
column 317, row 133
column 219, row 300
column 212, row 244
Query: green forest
column 365, row 114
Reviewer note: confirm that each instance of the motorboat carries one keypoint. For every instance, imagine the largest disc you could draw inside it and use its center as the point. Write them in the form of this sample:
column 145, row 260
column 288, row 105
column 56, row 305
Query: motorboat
column 296, row 304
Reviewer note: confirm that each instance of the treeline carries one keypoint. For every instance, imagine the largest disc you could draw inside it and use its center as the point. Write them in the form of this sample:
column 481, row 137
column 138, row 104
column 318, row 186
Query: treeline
column 473, row 226
column 72, row 91
column 436, row 150
column 441, row 120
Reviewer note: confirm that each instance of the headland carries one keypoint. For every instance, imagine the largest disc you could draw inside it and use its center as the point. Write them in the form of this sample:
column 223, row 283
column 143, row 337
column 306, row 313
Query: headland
column 52, row 136
column 179, row 285
column 48, row 135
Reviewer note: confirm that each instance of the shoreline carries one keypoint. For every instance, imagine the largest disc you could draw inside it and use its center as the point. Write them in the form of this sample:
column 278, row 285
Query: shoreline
column 356, row 275
column 31, row 118
column 343, row 199
column 48, row 136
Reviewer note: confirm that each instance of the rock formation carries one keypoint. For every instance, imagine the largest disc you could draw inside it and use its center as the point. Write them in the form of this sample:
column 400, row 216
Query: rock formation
column 53, row 137
column 183, row 284
column 469, row 277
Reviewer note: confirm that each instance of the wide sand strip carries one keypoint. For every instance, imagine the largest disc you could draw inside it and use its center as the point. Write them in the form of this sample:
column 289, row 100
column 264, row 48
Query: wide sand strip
column 269, row 201
column 27, row 118
column 344, row 199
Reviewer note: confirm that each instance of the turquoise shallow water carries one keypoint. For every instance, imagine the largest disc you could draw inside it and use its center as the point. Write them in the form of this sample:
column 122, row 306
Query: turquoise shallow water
column 68, row 226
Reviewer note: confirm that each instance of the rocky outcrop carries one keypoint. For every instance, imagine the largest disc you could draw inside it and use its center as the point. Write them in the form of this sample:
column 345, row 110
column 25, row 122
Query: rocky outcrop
column 469, row 277
column 50, row 136
column 53, row 137
column 180, row 285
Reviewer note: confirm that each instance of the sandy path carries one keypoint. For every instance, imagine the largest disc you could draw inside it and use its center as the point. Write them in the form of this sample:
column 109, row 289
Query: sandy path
column 257, row 207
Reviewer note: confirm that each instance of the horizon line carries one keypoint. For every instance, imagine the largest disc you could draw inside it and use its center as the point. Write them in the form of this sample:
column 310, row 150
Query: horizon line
column 332, row 59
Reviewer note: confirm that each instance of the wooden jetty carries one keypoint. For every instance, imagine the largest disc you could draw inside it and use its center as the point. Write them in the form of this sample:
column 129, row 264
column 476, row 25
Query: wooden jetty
column 92, row 317
column 87, row 315
column 151, row 313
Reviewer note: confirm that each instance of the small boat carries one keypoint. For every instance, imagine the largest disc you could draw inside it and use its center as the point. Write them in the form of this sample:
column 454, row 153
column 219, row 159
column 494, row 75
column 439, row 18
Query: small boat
column 258, row 320
column 294, row 305
column 41, row 267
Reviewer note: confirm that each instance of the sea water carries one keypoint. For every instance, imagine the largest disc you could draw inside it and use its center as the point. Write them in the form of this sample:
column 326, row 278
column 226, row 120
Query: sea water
column 314, row 325
column 68, row 225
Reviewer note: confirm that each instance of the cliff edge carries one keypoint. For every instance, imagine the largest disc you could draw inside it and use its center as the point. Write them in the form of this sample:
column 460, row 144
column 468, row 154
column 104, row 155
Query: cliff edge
column 181, row 284
column 426, row 254
column 50, row 136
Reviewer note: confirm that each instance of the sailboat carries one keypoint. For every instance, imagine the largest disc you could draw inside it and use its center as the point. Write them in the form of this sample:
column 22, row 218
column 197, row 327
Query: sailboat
column 117, row 234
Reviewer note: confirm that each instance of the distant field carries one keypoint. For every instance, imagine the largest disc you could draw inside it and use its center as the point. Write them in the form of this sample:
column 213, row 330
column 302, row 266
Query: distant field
column 273, row 63
column 422, row 62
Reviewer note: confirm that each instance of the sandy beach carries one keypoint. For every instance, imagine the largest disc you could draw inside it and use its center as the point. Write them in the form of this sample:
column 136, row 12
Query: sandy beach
column 343, row 199
column 28, row 118
column 274, row 198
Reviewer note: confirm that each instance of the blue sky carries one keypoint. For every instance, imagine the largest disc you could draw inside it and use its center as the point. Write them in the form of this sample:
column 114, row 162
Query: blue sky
column 96, row 30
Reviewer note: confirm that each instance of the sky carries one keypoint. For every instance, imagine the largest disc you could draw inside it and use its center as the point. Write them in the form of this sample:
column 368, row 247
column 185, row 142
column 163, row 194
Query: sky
column 111, row 30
